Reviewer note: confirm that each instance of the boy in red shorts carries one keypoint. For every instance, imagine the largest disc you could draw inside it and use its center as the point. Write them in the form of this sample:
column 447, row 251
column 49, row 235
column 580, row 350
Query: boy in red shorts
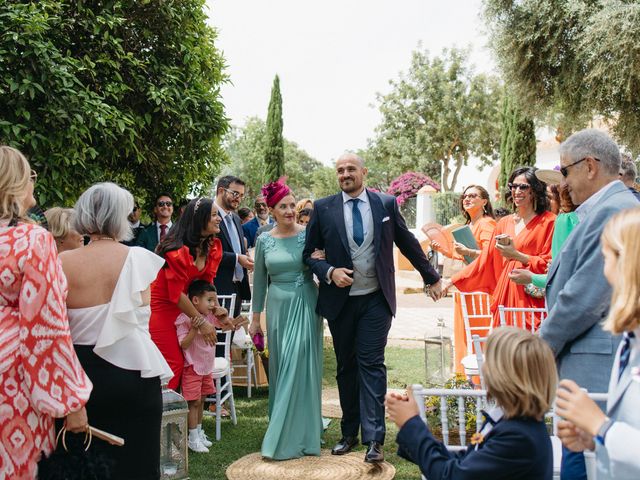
column 199, row 357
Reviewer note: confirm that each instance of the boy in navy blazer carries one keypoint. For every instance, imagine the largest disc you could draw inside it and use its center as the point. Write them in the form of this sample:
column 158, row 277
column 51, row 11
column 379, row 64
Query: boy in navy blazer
column 513, row 443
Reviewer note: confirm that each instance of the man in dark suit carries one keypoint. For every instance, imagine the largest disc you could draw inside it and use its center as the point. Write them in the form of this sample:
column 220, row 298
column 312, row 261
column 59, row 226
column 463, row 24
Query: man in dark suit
column 162, row 210
column 232, row 276
column 356, row 229
column 261, row 218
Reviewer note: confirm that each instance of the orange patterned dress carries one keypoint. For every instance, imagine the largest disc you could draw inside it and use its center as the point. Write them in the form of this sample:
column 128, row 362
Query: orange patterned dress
column 40, row 375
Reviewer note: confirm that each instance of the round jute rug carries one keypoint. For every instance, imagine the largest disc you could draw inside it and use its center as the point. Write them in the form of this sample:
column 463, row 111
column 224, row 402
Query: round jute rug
column 325, row 467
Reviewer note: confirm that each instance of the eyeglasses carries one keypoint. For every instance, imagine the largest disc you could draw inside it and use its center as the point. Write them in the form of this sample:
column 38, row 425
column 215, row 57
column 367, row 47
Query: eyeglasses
column 519, row 186
column 165, row 204
column 471, row 196
column 234, row 194
column 565, row 170
column 262, row 204
column 33, row 176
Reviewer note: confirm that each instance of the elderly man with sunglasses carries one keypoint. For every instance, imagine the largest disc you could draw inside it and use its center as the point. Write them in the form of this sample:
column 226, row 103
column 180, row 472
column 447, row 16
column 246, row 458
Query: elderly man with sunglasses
column 578, row 295
column 163, row 211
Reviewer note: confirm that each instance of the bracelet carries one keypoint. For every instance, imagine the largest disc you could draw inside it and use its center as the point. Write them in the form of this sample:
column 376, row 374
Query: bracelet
column 602, row 431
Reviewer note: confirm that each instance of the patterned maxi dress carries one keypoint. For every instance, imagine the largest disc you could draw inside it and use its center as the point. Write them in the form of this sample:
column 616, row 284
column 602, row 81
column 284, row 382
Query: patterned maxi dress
column 40, row 375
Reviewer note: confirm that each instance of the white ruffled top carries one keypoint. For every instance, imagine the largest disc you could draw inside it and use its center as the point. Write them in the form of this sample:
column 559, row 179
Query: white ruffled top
column 120, row 329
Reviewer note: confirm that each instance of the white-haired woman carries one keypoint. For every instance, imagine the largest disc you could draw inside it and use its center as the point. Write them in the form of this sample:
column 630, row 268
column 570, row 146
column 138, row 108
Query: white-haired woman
column 108, row 306
column 40, row 375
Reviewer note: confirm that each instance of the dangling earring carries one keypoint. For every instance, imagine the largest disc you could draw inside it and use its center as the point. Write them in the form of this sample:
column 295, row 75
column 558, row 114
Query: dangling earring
column 535, row 204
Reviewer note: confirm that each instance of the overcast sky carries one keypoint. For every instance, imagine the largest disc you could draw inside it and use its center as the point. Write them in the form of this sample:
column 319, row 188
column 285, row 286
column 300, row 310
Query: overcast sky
column 332, row 57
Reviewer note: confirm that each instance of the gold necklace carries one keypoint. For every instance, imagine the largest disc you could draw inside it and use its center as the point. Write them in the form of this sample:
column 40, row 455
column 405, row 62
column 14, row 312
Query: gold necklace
column 102, row 238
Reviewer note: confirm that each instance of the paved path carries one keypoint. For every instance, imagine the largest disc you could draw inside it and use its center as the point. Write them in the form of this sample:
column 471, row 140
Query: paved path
column 417, row 314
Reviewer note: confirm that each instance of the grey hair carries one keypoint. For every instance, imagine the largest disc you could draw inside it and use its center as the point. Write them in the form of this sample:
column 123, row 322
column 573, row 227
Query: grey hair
column 103, row 209
column 593, row 143
column 628, row 169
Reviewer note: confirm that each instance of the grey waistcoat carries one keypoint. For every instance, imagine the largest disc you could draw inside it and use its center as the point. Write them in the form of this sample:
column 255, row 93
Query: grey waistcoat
column 365, row 279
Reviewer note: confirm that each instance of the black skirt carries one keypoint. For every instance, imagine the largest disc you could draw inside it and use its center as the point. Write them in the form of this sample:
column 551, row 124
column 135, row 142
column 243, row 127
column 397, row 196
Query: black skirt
column 127, row 405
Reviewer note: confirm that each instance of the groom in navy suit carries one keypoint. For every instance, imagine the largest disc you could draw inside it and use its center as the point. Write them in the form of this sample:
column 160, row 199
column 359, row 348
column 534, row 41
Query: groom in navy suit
column 356, row 230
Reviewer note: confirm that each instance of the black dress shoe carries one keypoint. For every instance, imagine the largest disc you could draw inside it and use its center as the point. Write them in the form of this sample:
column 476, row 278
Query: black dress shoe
column 344, row 446
column 374, row 453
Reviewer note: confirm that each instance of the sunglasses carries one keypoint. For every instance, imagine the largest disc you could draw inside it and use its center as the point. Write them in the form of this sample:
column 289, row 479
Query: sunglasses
column 234, row 194
column 164, row 204
column 33, row 176
column 519, row 186
column 472, row 196
column 565, row 170
column 258, row 205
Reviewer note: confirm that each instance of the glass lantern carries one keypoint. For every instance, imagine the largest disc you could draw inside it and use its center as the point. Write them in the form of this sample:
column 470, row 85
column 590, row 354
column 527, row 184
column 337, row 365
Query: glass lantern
column 173, row 436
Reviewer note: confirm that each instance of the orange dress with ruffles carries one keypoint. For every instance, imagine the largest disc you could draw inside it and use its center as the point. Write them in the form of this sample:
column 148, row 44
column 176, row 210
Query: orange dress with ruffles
column 172, row 280
column 489, row 273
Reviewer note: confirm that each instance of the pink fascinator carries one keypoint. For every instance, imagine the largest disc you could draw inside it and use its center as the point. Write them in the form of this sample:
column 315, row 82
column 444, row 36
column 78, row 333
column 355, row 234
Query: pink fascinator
column 275, row 191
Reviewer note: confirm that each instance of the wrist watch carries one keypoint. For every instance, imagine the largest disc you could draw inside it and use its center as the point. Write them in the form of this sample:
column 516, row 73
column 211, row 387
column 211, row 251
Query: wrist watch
column 602, row 431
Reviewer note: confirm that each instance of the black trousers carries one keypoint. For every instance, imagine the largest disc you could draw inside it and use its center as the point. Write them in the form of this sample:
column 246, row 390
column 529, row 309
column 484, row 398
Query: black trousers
column 127, row 405
column 359, row 339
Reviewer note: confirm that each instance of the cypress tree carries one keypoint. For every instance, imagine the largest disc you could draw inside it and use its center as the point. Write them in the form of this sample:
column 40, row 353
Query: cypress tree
column 274, row 155
column 518, row 142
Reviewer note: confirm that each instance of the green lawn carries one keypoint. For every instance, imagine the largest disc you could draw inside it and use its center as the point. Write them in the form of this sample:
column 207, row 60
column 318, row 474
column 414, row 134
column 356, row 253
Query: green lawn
column 405, row 366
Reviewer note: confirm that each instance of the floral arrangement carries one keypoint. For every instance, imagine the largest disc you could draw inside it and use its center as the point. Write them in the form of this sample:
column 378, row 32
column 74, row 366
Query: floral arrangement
column 407, row 185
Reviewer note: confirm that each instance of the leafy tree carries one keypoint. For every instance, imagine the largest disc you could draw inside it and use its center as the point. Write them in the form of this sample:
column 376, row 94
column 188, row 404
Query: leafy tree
column 274, row 154
column 324, row 182
column 122, row 90
column 577, row 58
column 518, row 143
column 245, row 148
column 439, row 111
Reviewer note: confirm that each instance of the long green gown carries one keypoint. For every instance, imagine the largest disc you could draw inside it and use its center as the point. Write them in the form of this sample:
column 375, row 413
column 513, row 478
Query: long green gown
column 294, row 339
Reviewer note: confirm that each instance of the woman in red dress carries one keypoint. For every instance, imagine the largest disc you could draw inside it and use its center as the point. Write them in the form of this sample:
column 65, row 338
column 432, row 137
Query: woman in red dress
column 521, row 240
column 191, row 252
column 40, row 375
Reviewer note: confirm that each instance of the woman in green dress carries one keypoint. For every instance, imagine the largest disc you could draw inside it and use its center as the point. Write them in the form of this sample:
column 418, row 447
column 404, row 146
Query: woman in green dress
column 294, row 332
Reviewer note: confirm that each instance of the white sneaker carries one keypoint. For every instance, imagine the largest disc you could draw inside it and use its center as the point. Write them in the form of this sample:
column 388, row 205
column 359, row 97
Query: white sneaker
column 204, row 439
column 198, row 446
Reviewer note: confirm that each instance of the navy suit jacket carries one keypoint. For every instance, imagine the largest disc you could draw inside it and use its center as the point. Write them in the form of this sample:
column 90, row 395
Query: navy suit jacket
column 326, row 231
column 224, row 276
column 514, row 449
column 250, row 229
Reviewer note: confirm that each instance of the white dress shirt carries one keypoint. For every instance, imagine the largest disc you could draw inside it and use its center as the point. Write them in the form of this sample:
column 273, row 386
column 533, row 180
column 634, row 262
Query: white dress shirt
column 365, row 211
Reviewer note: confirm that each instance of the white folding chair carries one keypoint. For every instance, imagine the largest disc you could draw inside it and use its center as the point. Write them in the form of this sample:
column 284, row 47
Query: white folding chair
column 480, row 396
column 222, row 371
column 247, row 354
column 478, row 345
column 519, row 317
column 479, row 309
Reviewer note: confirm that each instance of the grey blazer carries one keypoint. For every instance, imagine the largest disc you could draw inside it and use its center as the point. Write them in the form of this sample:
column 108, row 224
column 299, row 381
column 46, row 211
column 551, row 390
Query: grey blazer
column 578, row 298
column 619, row 458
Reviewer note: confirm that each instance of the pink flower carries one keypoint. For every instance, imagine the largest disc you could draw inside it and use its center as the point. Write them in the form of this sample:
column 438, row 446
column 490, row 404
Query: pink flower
column 407, row 185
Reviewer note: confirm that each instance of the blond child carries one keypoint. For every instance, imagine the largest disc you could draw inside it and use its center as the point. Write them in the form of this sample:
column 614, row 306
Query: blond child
column 199, row 357
column 615, row 436
column 520, row 374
